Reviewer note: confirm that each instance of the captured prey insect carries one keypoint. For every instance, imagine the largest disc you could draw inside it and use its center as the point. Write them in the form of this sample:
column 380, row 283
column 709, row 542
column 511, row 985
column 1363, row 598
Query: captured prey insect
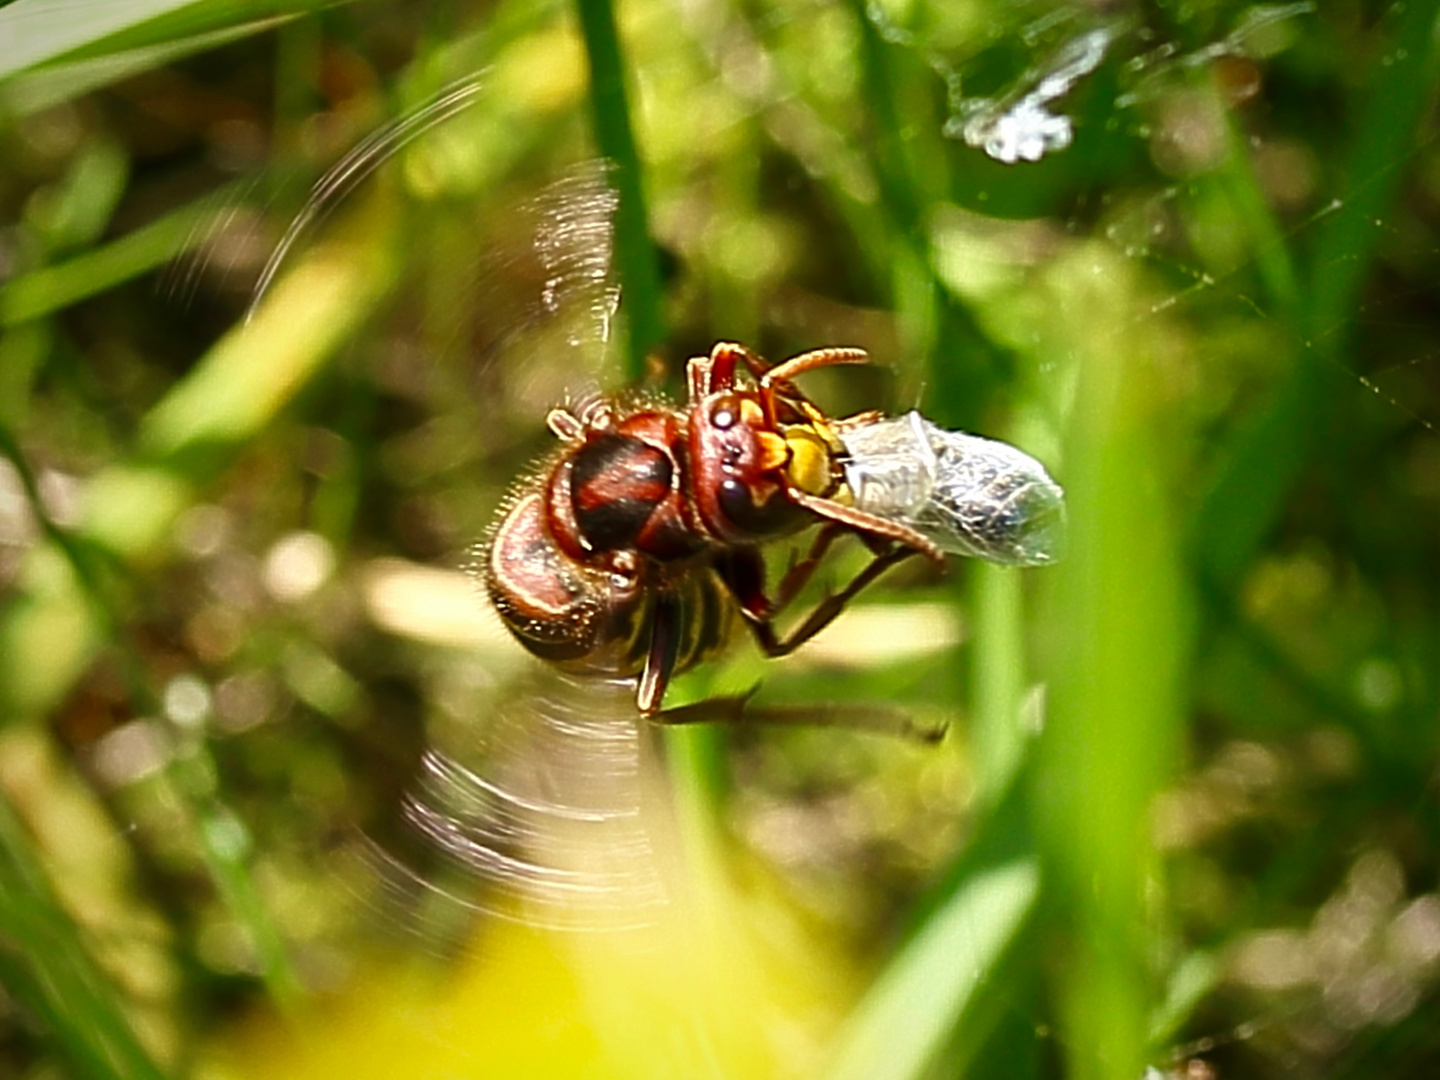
column 630, row 551
column 970, row 495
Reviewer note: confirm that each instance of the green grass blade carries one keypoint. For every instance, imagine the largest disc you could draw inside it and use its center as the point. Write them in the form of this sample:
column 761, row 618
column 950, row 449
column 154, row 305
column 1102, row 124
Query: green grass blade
column 1119, row 620
column 1269, row 451
column 1273, row 258
column 998, row 677
column 29, row 93
column 46, row 968
column 52, row 288
column 615, row 138
column 910, row 1014
column 226, row 845
column 1402, row 84
column 34, row 35
column 38, row 32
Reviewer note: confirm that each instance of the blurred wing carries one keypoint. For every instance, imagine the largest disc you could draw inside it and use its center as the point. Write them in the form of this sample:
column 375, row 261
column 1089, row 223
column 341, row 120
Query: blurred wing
column 356, row 166
column 535, row 813
column 535, row 276
column 547, row 265
column 575, row 240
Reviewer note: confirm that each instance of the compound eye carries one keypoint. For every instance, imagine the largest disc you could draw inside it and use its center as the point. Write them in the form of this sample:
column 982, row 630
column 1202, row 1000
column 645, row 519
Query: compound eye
column 738, row 505
column 735, row 501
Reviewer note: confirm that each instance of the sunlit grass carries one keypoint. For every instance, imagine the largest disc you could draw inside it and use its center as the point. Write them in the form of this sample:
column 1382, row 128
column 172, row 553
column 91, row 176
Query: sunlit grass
column 1243, row 621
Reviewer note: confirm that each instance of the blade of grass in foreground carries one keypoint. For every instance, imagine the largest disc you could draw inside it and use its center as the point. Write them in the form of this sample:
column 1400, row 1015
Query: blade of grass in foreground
column 1117, row 625
column 33, row 91
column 34, row 34
column 615, row 137
column 936, row 982
column 37, row 32
column 52, row 288
column 45, row 967
column 936, row 996
column 997, row 732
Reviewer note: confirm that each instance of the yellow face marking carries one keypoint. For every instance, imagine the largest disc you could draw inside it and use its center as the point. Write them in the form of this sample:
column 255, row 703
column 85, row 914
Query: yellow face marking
column 750, row 411
column 810, row 461
column 821, row 426
column 774, row 451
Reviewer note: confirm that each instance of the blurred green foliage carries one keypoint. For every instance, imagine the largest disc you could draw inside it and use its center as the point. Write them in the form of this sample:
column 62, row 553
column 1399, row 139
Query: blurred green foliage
column 1185, row 817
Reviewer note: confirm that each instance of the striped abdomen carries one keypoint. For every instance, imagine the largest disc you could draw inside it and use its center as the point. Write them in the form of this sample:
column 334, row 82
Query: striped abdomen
column 590, row 619
column 594, row 566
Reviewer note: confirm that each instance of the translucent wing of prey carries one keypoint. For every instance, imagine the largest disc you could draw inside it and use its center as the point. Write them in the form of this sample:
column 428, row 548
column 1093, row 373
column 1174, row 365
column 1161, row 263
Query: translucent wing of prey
column 972, row 496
